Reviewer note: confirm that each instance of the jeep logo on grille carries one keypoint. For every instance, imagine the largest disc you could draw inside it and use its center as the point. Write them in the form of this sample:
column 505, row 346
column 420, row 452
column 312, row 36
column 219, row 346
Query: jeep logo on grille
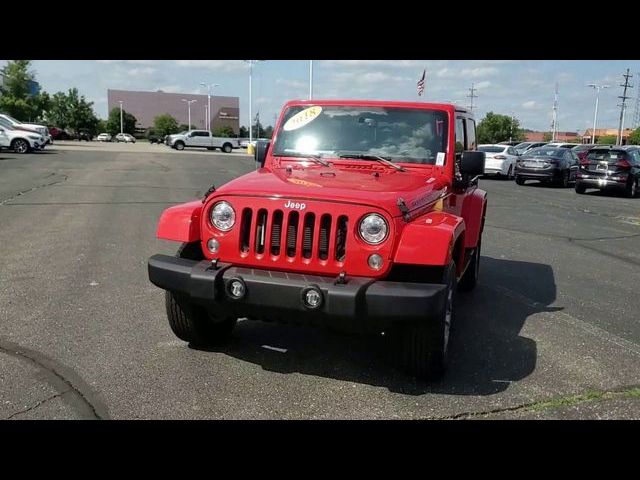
column 295, row 205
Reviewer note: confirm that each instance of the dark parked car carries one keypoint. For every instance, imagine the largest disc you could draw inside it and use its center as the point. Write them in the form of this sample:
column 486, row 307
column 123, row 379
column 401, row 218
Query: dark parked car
column 155, row 139
column 547, row 164
column 84, row 135
column 611, row 168
column 582, row 150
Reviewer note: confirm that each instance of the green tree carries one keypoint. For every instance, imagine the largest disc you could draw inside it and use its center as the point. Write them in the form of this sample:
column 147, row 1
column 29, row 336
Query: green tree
column 128, row 122
column 102, row 126
column 244, row 132
column 495, row 128
column 225, row 131
column 546, row 137
column 183, row 127
column 607, row 140
column 71, row 110
column 634, row 138
column 16, row 98
column 165, row 124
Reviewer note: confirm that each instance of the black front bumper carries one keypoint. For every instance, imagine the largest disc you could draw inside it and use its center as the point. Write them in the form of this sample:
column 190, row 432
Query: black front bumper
column 358, row 304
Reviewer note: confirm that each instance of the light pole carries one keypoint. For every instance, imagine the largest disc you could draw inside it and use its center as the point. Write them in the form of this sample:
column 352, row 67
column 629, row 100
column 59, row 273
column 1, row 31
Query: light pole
column 595, row 115
column 189, row 102
column 209, row 87
column 251, row 62
column 120, row 102
column 310, row 79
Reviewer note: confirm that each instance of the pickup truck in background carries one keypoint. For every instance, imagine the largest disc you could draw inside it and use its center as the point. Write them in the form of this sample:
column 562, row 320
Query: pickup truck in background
column 201, row 139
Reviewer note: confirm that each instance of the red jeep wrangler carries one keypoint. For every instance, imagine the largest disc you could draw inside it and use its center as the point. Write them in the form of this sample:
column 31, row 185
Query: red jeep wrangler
column 363, row 216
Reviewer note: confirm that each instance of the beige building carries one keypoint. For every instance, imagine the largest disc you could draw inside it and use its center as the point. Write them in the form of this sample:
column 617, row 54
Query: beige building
column 606, row 132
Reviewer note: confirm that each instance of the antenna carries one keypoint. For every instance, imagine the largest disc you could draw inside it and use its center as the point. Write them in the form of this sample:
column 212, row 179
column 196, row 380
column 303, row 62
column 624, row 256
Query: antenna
column 472, row 96
column 623, row 105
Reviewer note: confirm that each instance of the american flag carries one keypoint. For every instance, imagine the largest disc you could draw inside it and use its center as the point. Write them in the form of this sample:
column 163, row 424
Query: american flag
column 421, row 83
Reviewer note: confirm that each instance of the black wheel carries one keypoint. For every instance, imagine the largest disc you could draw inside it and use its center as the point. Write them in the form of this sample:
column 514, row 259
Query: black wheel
column 580, row 188
column 226, row 148
column 422, row 349
column 520, row 180
column 20, row 145
column 510, row 173
column 194, row 323
column 179, row 146
column 564, row 180
column 632, row 190
column 470, row 278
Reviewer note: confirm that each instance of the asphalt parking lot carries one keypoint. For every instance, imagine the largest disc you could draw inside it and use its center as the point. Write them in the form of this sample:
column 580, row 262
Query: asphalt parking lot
column 552, row 330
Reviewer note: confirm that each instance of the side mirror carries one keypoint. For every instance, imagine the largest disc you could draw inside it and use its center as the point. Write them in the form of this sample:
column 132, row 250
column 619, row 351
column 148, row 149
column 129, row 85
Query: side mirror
column 260, row 155
column 472, row 163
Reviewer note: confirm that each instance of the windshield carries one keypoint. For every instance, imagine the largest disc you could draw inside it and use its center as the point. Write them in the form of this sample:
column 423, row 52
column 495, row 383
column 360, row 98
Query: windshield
column 399, row 134
column 6, row 123
column 490, row 149
column 11, row 118
column 522, row 146
column 545, row 152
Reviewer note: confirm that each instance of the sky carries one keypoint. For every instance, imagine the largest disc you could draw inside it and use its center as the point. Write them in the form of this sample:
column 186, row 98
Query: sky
column 522, row 88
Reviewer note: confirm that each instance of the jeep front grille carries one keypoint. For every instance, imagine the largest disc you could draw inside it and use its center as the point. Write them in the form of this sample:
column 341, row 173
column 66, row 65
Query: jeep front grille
column 293, row 235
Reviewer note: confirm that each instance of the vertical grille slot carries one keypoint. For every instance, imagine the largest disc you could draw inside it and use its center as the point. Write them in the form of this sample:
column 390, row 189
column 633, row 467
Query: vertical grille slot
column 245, row 230
column 307, row 235
column 325, row 233
column 341, row 238
column 292, row 234
column 261, row 230
column 276, row 232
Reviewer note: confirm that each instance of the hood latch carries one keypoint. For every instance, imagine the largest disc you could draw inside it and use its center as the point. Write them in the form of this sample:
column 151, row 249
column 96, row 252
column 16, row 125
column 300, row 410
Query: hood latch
column 212, row 189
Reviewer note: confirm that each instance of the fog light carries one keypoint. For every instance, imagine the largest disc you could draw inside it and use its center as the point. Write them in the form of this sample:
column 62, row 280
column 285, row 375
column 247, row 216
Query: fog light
column 236, row 288
column 375, row 261
column 312, row 297
column 213, row 245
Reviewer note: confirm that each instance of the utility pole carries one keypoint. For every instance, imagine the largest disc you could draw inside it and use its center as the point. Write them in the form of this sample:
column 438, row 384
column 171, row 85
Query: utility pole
column 120, row 102
column 597, row 88
column 310, row 79
column 554, row 122
column 189, row 102
column 472, row 96
column 623, row 106
column 636, row 112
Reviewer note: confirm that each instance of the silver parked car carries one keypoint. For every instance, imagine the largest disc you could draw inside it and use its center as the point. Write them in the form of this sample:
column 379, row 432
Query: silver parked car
column 500, row 160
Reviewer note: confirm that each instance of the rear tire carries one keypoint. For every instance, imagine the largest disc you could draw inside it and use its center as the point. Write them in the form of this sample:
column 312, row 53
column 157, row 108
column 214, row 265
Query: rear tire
column 422, row 349
column 510, row 173
column 194, row 323
column 580, row 188
column 564, row 180
column 227, row 148
column 520, row 180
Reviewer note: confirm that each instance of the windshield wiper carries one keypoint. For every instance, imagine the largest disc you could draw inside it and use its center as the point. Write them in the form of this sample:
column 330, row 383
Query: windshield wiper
column 317, row 158
column 362, row 156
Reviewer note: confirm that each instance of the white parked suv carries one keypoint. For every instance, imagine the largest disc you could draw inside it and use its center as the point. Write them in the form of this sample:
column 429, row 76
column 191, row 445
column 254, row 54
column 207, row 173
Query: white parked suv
column 7, row 121
column 125, row 137
column 104, row 137
column 20, row 141
column 499, row 160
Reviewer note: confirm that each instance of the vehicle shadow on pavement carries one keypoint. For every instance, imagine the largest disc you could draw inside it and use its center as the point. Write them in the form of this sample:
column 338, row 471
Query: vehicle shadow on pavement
column 487, row 351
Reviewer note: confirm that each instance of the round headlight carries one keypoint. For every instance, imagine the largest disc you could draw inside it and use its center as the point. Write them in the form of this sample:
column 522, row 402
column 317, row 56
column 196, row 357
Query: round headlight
column 223, row 216
column 373, row 229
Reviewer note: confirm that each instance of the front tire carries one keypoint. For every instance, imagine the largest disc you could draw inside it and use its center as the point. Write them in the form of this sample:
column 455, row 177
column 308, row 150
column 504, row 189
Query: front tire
column 422, row 349
column 20, row 145
column 194, row 323
column 520, row 180
column 632, row 190
column 179, row 146
column 580, row 188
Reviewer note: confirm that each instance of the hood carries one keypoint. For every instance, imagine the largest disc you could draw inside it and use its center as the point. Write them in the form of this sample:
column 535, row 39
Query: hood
column 361, row 184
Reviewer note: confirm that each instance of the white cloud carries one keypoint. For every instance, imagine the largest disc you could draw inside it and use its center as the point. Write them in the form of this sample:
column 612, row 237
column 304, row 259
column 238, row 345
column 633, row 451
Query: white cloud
column 141, row 71
column 134, row 62
column 368, row 78
column 171, row 89
column 375, row 63
column 290, row 83
column 483, row 84
column 225, row 65
column 531, row 104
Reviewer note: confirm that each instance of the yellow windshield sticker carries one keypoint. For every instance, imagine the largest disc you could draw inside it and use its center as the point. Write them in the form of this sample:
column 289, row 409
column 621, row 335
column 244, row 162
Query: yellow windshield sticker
column 300, row 119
